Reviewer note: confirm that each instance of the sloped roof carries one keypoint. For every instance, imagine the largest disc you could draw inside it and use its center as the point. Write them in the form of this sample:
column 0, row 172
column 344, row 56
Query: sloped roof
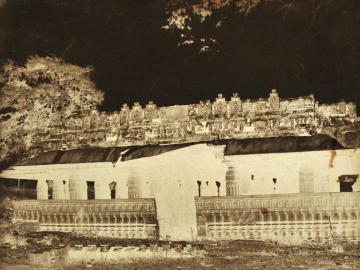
column 152, row 150
column 86, row 155
column 232, row 147
column 281, row 145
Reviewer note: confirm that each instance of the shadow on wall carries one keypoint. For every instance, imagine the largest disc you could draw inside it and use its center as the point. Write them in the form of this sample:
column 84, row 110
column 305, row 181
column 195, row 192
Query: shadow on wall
column 17, row 189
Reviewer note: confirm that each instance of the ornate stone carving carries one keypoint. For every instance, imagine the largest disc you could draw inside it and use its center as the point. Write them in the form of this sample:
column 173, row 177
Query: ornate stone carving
column 274, row 100
column 308, row 208
column 128, row 125
column 204, row 109
column 124, row 114
column 124, row 218
column 192, row 111
column 219, row 106
column 351, row 109
column 247, row 106
column 342, row 107
column 136, row 113
column 261, row 105
column 150, row 111
column 297, row 104
column 235, row 106
column 94, row 119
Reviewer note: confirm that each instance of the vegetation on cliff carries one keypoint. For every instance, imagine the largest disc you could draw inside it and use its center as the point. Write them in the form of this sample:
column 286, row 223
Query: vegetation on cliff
column 44, row 91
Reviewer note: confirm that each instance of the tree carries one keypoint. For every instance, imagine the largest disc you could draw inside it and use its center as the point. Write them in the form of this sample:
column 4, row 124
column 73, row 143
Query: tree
column 203, row 24
column 42, row 92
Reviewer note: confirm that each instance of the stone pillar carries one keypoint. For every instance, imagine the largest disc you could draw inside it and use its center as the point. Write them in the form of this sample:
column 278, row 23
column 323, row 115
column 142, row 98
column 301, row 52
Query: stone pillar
column 277, row 226
column 269, row 226
column 66, row 190
column 134, row 187
column 68, row 219
column 262, row 227
column 77, row 189
column 215, row 226
column 231, row 182
column 42, row 189
column 56, row 222
column 287, row 228
column 222, row 218
column 306, row 179
column 58, row 190
column 115, row 220
column 121, row 229
column 313, row 226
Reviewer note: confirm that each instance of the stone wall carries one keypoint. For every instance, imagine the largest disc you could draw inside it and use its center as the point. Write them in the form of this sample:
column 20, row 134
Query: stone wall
column 173, row 178
column 275, row 173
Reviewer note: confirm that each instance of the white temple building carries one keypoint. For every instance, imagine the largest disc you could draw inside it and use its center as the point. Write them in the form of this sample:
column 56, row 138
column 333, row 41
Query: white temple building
column 264, row 188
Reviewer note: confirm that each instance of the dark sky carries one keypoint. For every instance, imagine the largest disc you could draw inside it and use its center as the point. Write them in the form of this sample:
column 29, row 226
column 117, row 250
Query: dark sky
column 311, row 47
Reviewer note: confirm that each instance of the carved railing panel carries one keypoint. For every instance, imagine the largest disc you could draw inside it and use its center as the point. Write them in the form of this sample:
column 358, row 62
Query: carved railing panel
column 110, row 218
column 281, row 217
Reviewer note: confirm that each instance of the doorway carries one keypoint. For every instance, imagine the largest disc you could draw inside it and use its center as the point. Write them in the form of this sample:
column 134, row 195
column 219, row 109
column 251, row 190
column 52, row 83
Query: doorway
column 90, row 190
column 112, row 186
column 347, row 182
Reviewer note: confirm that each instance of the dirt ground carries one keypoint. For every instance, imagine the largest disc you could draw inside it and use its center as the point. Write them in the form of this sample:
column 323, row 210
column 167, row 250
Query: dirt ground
column 215, row 255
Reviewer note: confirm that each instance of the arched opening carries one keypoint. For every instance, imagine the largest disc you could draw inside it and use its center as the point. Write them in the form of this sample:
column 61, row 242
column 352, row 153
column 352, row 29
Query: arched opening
column 141, row 220
column 133, row 188
column 306, row 180
column 90, row 190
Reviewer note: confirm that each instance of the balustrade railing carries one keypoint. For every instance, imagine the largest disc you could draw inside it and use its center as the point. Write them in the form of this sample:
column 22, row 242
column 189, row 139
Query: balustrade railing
column 73, row 206
column 113, row 218
column 281, row 201
column 281, row 217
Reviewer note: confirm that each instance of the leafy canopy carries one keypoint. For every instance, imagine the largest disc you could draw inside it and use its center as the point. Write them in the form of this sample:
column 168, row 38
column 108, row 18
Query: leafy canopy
column 43, row 92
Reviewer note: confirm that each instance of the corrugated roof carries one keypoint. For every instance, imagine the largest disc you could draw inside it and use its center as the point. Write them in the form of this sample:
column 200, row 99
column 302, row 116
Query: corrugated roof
column 233, row 147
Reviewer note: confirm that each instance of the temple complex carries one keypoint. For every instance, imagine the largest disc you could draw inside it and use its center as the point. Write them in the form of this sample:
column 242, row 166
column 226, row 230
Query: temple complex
column 286, row 188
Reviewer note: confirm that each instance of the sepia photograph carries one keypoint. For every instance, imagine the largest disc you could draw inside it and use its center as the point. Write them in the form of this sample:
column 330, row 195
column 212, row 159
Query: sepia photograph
column 179, row 134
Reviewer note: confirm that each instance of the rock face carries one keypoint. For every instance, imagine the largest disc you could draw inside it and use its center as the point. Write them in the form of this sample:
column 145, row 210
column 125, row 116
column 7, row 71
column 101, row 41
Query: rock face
column 348, row 135
column 205, row 121
column 352, row 139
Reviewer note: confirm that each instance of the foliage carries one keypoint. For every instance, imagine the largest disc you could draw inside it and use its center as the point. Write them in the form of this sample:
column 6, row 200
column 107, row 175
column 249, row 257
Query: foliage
column 202, row 23
column 41, row 94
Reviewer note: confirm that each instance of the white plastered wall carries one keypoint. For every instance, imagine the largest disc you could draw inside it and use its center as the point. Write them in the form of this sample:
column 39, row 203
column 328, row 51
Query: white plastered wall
column 171, row 178
column 326, row 166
